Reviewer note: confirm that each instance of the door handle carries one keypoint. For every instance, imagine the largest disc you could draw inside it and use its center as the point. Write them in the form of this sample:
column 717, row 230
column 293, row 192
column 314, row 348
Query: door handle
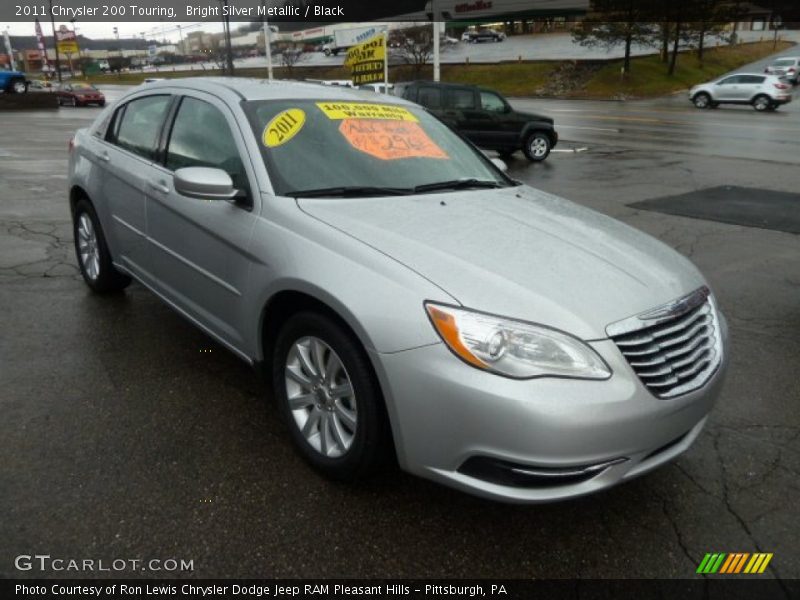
column 158, row 186
column 104, row 157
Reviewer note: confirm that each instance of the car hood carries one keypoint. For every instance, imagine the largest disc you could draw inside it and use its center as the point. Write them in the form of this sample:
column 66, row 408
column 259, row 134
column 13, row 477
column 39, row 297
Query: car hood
column 521, row 253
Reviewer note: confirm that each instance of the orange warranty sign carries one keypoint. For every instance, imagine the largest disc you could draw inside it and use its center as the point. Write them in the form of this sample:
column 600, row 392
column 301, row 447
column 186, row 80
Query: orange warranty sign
column 390, row 140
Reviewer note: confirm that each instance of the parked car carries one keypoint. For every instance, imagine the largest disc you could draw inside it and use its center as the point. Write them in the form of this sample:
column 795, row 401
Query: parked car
column 79, row 94
column 485, row 118
column 763, row 92
column 787, row 67
column 483, row 35
column 406, row 298
column 13, row 82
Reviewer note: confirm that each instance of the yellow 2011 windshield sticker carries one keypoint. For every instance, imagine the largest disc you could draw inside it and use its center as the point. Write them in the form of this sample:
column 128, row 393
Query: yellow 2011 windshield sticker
column 283, row 127
column 339, row 111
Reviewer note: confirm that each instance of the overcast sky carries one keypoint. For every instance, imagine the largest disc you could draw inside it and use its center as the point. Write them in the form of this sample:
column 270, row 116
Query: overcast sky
column 153, row 30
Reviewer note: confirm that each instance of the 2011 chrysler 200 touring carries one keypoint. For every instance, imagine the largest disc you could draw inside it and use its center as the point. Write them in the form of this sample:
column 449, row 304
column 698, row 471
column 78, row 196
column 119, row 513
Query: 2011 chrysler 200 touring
column 402, row 293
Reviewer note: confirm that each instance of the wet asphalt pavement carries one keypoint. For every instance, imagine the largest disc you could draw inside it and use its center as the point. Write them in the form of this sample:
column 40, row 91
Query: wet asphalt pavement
column 127, row 433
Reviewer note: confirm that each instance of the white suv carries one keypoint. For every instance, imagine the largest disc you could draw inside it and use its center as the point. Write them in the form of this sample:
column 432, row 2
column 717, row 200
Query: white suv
column 763, row 92
column 786, row 66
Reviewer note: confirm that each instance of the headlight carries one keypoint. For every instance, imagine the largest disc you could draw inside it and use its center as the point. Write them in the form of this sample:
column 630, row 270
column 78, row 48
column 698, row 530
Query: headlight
column 514, row 348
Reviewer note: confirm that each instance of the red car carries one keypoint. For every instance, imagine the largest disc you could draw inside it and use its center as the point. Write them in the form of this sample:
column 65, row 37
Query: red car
column 79, row 94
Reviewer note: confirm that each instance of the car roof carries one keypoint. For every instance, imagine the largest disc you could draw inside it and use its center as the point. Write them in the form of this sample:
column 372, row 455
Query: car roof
column 777, row 58
column 261, row 89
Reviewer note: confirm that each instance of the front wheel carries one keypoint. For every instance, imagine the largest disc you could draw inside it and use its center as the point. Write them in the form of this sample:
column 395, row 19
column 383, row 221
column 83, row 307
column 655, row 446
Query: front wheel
column 91, row 249
column 537, row 147
column 329, row 397
column 761, row 103
column 702, row 100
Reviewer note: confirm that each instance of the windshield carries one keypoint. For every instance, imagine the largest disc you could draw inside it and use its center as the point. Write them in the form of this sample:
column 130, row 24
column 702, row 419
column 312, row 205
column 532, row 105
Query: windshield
column 310, row 147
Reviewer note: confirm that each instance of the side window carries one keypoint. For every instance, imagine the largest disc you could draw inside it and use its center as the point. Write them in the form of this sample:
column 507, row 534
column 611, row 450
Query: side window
column 430, row 97
column 201, row 137
column 731, row 80
column 752, row 79
column 138, row 124
column 462, row 99
column 492, row 103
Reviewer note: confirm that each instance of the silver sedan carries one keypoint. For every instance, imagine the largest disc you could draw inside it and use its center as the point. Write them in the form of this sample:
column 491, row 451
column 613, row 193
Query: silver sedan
column 404, row 297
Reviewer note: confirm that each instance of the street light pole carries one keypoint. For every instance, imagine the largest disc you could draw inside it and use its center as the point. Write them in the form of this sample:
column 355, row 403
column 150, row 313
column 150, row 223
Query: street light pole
column 55, row 41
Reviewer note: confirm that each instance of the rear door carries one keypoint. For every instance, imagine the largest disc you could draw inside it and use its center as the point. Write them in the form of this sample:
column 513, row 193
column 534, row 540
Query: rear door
column 751, row 85
column 126, row 159
column 462, row 107
column 199, row 247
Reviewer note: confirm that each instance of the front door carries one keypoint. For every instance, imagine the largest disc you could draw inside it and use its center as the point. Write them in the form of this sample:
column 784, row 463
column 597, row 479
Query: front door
column 199, row 247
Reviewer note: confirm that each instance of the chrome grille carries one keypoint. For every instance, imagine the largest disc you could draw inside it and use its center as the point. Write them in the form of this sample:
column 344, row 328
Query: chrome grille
column 675, row 348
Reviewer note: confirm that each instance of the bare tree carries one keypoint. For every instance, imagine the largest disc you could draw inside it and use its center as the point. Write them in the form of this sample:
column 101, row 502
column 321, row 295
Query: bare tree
column 617, row 22
column 291, row 56
column 414, row 46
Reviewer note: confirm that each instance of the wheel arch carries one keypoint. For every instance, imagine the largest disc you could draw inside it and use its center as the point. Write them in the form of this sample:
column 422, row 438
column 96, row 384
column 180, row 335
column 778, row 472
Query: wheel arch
column 537, row 127
column 76, row 192
column 288, row 301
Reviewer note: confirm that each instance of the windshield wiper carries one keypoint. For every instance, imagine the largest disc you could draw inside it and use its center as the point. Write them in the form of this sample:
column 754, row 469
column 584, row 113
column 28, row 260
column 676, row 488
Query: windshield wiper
column 352, row 191
column 457, row 184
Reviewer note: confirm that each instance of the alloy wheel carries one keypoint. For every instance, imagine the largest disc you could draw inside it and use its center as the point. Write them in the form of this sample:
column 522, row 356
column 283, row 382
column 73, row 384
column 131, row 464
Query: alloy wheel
column 538, row 147
column 761, row 103
column 87, row 247
column 321, row 397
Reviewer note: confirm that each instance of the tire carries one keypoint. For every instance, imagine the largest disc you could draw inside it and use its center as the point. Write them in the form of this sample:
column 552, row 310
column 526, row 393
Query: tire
column 363, row 443
column 537, row 146
column 91, row 250
column 762, row 102
column 702, row 100
column 17, row 86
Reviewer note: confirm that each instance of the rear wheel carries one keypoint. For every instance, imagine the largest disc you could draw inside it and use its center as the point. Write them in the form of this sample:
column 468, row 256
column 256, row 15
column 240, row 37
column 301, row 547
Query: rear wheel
column 330, row 400
column 702, row 100
column 762, row 103
column 537, row 146
column 92, row 252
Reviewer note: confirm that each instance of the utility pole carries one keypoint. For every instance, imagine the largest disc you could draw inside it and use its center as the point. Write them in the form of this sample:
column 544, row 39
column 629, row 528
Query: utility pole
column 55, row 41
column 267, row 41
column 180, row 33
column 227, row 33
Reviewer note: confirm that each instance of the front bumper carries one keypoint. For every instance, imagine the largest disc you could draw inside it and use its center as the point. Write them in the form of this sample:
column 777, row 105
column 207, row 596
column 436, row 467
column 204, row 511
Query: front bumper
column 445, row 415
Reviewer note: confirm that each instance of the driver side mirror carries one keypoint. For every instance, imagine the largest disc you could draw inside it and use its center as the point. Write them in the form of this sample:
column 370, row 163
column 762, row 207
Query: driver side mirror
column 204, row 183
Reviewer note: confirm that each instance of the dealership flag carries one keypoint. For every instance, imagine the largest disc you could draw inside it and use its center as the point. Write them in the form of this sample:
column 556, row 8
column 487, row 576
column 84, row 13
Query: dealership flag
column 367, row 61
column 42, row 46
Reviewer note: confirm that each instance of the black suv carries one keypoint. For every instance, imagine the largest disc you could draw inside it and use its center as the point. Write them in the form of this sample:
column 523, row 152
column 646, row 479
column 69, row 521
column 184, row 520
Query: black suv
column 484, row 117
